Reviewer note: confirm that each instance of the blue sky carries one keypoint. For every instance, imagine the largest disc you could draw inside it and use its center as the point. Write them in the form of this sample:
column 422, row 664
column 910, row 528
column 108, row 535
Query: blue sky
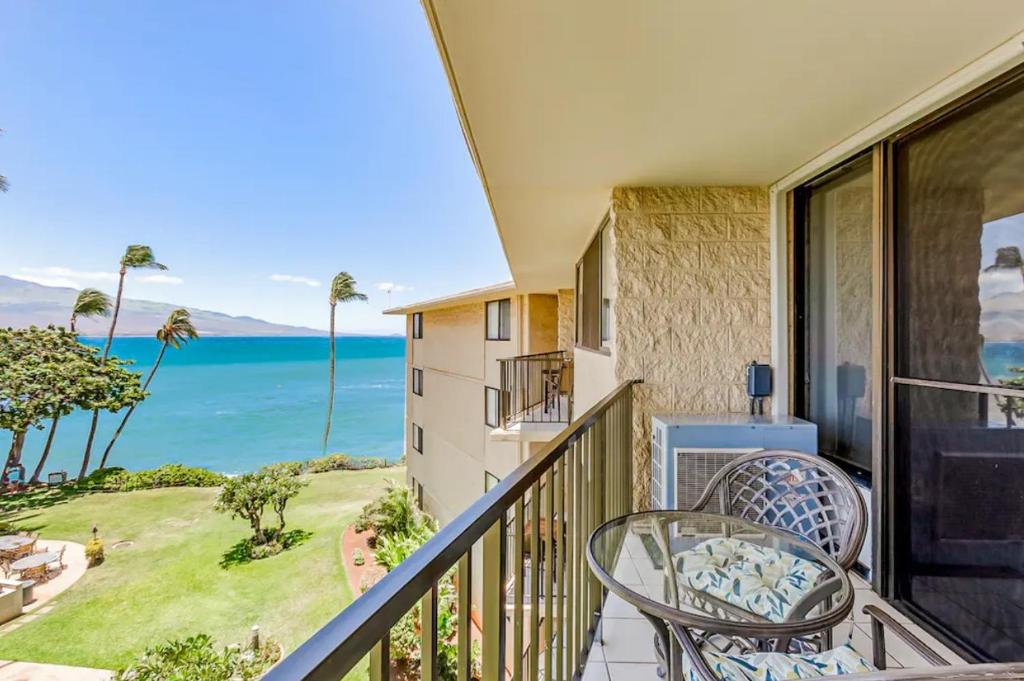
column 241, row 140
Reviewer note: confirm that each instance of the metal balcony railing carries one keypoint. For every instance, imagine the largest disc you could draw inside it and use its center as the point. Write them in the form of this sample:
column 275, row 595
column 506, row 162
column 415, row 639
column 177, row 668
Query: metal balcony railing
column 578, row 480
column 536, row 388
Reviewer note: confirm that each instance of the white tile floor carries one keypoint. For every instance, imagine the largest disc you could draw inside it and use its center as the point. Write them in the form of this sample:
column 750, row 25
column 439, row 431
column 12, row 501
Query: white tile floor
column 628, row 653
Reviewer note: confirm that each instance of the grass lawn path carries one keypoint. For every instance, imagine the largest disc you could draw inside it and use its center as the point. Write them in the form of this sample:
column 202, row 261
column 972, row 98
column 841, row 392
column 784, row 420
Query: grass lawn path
column 170, row 582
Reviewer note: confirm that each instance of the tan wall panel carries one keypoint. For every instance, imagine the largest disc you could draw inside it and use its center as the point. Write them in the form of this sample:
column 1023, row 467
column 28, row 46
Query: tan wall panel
column 452, row 340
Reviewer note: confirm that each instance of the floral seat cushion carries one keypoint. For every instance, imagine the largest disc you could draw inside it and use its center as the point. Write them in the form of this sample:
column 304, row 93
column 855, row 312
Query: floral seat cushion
column 782, row 666
column 759, row 579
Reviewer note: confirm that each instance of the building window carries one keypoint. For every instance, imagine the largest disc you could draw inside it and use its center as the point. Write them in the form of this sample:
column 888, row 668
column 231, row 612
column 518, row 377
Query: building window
column 490, row 480
column 492, row 402
column 607, row 287
column 595, row 293
column 417, row 438
column 417, row 381
column 417, row 325
column 499, row 320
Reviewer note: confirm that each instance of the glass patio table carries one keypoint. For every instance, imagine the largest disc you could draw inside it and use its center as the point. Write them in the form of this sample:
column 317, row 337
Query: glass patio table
column 717, row 574
column 35, row 560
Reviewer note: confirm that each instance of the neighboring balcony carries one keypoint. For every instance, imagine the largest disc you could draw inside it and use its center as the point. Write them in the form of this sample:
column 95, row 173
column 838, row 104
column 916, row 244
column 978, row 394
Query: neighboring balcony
column 535, row 397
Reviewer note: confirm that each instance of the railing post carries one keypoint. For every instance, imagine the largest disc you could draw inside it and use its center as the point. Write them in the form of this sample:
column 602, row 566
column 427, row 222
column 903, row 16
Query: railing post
column 518, row 583
column 549, row 568
column 560, row 564
column 465, row 645
column 380, row 660
column 535, row 550
column 494, row 601
column 428, row 635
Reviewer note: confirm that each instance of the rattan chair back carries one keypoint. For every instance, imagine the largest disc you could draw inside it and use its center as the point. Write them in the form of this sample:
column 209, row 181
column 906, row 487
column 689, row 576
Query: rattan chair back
column 799, row 492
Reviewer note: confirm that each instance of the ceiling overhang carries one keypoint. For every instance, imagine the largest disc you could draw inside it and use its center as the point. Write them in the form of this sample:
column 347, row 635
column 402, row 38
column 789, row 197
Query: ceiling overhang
column 562, row 101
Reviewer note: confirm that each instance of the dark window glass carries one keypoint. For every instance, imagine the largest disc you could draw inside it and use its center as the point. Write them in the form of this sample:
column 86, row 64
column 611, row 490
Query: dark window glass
column 499, row 319
column 417, row 381
column 837, row 220
column 958, row 446
column 417, row 325
column 417, row 438
column 959, row 239
column 492, row 415
column 962, row 490
column 588, row 297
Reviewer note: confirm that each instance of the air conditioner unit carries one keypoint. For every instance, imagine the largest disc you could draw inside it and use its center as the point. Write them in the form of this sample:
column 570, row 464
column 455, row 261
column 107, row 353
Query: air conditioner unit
column 687, row 450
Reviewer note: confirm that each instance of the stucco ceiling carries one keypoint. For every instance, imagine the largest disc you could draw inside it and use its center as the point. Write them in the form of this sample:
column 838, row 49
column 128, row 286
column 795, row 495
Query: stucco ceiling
column 564, row 99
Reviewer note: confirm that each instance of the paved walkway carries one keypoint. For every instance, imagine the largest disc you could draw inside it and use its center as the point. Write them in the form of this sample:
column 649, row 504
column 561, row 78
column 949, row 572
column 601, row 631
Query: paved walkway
column 74, row 559
column 30, row 671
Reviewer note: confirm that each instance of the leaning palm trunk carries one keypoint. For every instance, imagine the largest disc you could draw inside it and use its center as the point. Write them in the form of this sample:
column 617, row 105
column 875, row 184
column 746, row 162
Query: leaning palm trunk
column 131, row 409
column 46, row 451
column 106, row 353
column 330, row 387
column 14, row 454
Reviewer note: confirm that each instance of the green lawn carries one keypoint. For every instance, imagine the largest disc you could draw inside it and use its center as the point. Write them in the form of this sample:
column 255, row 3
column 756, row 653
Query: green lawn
column 170, row 582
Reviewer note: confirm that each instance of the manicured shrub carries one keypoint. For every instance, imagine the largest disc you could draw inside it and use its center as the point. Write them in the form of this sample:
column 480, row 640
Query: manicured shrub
column 169, row 475
column 344, row 462
column 94, row 551
column 357, row 558
column 196, row 659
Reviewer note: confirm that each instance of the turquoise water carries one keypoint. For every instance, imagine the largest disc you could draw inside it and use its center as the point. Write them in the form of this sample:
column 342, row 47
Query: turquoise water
column 234, row 404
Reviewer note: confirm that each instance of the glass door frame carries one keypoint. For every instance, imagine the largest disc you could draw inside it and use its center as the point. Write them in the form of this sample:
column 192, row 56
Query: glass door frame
column 885, row 535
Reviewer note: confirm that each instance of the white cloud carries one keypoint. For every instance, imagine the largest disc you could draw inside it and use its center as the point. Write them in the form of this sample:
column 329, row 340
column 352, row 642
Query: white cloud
column 392, row 287
column 63, row 276
column 160, row 279
column 293, row 279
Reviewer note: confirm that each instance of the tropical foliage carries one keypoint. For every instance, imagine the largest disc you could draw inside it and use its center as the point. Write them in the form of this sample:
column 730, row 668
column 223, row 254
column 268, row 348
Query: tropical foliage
column 196, row 659
column 47, row 373
column 89, row 303
column 343, row 290
column 248, row 496
column 393, row 513
column 168, row 475
column 344, row 462
column 176, row 331
column 402, row 529
column 1012, row 407
column 136, row 256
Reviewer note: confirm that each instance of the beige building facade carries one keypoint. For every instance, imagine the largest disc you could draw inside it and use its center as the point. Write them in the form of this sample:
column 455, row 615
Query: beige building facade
column 452, row 359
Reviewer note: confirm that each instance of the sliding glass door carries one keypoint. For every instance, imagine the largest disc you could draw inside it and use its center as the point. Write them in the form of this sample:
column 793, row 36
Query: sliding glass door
column 957, row 436
column 834, row 229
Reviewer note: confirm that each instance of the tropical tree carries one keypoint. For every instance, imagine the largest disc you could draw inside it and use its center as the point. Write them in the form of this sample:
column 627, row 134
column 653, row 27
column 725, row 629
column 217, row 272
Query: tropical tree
column 47, row 373
column 89, row 303
column 176, row 331
column 343, row 290
column 4, row 186
column 135, row 256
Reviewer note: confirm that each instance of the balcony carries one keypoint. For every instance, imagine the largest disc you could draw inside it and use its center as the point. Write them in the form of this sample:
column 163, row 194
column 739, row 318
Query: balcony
column 543, row 614
column 535, row 396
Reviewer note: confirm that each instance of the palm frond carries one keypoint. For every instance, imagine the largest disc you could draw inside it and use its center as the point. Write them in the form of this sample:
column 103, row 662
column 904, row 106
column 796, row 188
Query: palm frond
column 91, row 303
column 343, row 289
column 140, row 256
column 4, row 184
column 178, row 329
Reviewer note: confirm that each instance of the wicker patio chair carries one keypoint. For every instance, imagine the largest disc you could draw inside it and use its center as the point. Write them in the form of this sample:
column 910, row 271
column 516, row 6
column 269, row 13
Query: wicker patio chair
column 801, row 493
column 794, row 491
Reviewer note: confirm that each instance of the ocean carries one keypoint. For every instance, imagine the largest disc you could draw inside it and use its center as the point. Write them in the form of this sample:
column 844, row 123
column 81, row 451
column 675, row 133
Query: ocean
column 235, row 404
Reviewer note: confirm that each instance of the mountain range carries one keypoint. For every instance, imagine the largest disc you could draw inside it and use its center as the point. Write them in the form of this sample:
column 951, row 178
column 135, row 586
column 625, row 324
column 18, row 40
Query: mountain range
column 24, row 303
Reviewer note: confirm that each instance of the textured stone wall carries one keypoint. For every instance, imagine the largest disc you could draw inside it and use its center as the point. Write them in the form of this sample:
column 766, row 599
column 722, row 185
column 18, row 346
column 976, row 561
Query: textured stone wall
column 693, row 301
column 566, row 320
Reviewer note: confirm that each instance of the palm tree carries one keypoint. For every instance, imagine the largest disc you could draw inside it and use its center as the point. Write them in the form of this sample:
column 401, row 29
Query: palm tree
column 176, row 331
column 89, row 303
column 135, row 256
column 343, row 290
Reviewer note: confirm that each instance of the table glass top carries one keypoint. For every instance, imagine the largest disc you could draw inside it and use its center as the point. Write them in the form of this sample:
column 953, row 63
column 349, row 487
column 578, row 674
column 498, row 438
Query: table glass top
column 719, row 573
